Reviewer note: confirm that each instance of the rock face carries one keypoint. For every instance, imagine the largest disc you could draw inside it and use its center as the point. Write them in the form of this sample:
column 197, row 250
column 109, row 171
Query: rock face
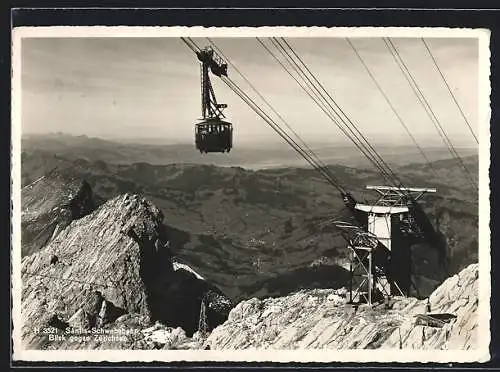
column 321, row 319
column 49, row 204
column 114, row 261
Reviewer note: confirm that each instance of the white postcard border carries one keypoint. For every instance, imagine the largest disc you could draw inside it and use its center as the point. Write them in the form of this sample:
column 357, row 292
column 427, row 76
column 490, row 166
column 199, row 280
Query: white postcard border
column 378, row 355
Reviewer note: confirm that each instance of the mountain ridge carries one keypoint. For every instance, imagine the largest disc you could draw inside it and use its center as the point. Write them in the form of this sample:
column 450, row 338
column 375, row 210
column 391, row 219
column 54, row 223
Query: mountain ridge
column 115, row 260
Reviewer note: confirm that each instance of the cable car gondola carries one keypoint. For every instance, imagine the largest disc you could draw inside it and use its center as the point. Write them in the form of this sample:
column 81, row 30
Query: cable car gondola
column 212, row 134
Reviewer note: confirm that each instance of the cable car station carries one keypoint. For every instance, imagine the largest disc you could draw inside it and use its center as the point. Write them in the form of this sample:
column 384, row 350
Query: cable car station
column 380, row 259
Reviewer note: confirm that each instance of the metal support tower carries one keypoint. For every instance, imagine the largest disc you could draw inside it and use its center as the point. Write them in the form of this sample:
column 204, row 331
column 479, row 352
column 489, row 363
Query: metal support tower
column 390, row 221
column 367, row 263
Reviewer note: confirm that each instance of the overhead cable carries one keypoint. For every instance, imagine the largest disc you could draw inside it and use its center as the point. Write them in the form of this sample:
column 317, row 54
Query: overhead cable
column 386, row 98
column 319, row 162
column 430, row 113
column 450, row 90
column 325, row 101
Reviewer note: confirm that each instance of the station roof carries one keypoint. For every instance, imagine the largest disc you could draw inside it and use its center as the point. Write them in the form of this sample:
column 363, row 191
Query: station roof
column 381, row 209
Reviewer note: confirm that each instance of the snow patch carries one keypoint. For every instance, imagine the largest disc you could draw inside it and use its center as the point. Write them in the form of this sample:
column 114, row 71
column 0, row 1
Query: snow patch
column 178, row 265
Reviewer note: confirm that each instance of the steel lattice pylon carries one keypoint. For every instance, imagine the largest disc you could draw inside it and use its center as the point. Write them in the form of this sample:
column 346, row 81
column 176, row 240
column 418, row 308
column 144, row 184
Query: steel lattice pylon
column 368, row 263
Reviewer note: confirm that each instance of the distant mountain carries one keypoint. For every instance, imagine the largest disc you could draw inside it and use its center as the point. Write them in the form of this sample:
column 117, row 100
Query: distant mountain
column 256, row 156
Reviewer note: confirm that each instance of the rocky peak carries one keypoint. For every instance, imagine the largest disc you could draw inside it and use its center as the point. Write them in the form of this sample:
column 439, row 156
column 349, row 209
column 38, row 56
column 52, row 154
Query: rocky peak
column 113, row 261
column 49, row 204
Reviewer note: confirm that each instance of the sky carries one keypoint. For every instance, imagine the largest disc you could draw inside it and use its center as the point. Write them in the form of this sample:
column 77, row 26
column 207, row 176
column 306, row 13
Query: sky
column 143, row 88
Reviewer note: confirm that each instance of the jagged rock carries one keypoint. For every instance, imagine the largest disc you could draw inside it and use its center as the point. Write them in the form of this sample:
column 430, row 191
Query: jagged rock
column 49, row 204
column 54, row 321
column 93, row 305
column 187, row 291
column 106, row 273
column 164, row 337
column 178, row 335
column 79, row 320
column 54, row 259
column 197, row 336
column 310, row 319
column 218, row 307
column 108, row 313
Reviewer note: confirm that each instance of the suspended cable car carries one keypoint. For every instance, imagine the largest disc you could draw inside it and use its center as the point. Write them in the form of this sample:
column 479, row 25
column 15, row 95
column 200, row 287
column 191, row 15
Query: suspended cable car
column 212, row 134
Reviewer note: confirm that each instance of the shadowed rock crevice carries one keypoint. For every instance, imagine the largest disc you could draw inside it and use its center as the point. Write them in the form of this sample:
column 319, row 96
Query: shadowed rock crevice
column 174, row 296
column 83, row 203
